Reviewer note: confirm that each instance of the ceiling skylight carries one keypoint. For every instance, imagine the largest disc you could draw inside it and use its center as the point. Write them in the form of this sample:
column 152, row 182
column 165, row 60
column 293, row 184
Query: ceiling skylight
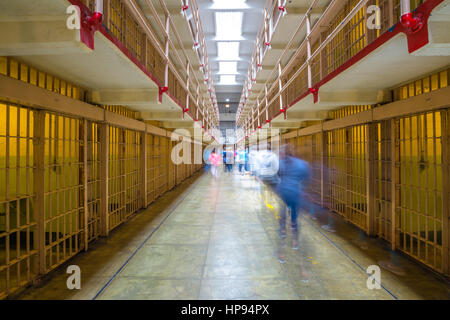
column 228, row 25
column 229, row 4
column 228, row 67
column 228, row 50
column 228, row 79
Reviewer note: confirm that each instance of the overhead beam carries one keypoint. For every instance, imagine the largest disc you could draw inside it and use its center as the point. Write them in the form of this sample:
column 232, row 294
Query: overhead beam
column 126, row 96
column 352, row 97
column 178, row 124
column 287, row 124
column 28, row 38
column 162, row 116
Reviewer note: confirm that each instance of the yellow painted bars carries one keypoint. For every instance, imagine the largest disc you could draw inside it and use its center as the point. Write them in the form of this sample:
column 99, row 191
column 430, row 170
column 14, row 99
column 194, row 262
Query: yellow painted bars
column 388, row 173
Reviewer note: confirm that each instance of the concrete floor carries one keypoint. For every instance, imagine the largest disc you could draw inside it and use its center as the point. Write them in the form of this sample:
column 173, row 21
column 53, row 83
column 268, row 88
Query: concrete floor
column 217, row 239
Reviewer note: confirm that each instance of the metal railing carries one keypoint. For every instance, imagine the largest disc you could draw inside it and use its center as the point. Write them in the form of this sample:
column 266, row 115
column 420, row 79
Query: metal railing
column 125, row 20
column 319, row 54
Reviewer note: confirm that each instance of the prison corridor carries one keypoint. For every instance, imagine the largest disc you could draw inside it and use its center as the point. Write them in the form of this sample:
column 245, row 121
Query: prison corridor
column 218, row 239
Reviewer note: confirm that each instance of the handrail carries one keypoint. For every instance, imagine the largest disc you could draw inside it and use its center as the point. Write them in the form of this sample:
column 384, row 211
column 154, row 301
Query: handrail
column 330, row 37
column 143, row 22
column 324, row 43
column 205, row 56
column 268, row 8
column 286, row 50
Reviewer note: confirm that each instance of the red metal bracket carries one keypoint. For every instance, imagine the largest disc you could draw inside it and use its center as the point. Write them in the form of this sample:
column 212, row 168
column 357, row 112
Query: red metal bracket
column 282, row 8
column 184, row 8
column 415, row 24
column 315, row 93
column 412, row 22
column 89, row 24
column 161, row 91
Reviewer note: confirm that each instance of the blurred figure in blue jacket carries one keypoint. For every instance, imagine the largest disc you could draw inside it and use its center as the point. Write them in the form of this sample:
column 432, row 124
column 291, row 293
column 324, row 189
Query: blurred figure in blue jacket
column 294, row 174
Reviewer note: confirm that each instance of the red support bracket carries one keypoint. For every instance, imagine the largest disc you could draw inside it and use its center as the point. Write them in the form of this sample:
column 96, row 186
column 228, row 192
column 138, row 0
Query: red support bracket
column 89, row 24
column 267, row 44
column 268, row 121
column 161, row 91
column 282, row 8
column 184, row 8
column 413, row 22
column 315, row 93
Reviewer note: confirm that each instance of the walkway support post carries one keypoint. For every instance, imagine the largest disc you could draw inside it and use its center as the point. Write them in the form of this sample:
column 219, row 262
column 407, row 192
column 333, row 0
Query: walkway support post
column 394, row 179
column 143, row 165
column 370, row 180
column 445, row 119
column 104, row 176
column 86, row 125
column 39, row 186
column 323, row 171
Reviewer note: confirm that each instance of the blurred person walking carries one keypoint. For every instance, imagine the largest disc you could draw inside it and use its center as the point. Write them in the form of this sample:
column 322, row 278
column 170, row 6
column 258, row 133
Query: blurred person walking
column 214, row 160
column 294, row 173
column 240, row 160
column 230, row 160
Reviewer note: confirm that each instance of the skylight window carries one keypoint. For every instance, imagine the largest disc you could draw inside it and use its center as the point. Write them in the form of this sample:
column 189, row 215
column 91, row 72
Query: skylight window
column 228, row 50
column 228, row 25
column 230, row 4
column 228, row 67
column 228, row 79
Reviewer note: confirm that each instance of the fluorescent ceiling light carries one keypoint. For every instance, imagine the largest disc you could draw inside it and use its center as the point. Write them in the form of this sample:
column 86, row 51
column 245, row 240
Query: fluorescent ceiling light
column 228, row 50
column 228, row 67
column 229, row 1
column 227, row 79
column 228, row 25
column 229, row 4
column 227, row 100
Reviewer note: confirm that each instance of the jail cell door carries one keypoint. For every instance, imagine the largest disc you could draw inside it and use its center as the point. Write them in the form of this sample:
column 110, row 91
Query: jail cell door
column 420, row 207
column 356, row 171
column 63, row 206
column 18, row 245
column 384, row 175
column 337, row 170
